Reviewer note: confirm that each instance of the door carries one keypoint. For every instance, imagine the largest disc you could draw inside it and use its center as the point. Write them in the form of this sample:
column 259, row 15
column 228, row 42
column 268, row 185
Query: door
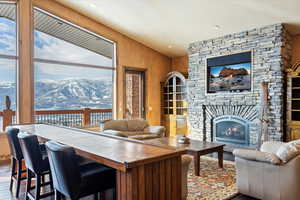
column 134, row 93
column 174, row 104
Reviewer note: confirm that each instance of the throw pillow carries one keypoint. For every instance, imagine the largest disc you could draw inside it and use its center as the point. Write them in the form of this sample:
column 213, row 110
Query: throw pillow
column 288, row 151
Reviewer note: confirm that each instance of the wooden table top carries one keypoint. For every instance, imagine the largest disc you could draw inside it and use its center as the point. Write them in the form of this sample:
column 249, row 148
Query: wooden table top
column 122, row 153
column 195, row 145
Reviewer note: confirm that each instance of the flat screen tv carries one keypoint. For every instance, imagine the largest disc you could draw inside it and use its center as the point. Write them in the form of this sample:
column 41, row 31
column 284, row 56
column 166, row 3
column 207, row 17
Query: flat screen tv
column 230, row 73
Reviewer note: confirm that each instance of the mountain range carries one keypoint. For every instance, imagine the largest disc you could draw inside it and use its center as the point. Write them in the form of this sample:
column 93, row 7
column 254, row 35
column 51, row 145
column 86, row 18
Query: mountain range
column 65, row 94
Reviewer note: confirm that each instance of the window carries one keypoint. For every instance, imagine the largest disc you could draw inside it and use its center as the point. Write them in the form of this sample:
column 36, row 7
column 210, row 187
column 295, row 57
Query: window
column 74, row 70
column 8, row 56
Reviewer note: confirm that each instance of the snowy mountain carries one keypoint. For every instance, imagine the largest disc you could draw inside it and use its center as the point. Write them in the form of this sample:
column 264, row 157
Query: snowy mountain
column 66, row 94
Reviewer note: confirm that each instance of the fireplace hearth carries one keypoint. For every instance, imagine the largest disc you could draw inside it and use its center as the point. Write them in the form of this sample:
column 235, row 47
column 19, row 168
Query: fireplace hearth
column 231, row 129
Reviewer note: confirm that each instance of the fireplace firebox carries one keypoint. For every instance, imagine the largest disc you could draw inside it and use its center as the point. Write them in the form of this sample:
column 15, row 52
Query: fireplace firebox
column 231, row 129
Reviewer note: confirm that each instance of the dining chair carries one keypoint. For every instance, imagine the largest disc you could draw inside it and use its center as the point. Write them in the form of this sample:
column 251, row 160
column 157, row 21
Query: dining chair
column 17, row 173
column 37, row 165
column 74, row 181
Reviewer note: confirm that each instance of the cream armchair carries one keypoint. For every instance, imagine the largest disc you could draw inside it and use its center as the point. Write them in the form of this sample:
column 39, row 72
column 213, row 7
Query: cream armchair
column 267, row 174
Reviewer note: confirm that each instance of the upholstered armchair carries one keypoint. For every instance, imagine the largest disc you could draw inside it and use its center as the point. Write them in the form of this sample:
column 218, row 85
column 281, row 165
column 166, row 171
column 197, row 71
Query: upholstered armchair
column 273, row 173
column 133, row 128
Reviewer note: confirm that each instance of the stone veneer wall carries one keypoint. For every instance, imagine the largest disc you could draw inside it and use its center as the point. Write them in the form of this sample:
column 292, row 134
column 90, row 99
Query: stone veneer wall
column 271, row 47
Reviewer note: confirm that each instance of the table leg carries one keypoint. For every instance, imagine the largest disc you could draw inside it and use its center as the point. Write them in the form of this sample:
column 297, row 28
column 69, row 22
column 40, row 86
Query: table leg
column 197, row 164
column 220, row 157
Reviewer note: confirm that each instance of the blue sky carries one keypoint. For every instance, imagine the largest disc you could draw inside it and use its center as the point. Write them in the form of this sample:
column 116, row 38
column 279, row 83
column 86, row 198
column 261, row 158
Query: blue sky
column 48, row 47
column 7, row 46
column 216, row 70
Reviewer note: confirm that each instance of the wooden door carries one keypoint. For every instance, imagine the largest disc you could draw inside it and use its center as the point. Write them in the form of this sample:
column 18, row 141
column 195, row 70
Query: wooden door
column 134, row 94
column 174, row 105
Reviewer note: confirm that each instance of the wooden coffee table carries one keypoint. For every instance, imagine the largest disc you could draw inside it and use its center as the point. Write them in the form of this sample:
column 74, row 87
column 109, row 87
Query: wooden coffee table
column 195, row 148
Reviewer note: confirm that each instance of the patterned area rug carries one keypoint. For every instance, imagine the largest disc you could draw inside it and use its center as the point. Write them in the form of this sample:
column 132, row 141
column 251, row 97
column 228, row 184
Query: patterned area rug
column 213, row 183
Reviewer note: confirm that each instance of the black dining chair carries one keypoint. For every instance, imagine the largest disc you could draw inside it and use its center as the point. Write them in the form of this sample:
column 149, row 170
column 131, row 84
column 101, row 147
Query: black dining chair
column 37, row 165
column 74, row 181
column 17, row 173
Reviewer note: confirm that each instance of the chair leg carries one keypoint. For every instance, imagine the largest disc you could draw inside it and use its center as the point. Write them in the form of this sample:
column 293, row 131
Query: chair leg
column 96, row 196
column 28, row 184
column 19, row 176
column 43, row 178
column 38, row 187
column 13, row 171
column 114, row 194
column 57, row 195
column 103, row 195
column 51, row 181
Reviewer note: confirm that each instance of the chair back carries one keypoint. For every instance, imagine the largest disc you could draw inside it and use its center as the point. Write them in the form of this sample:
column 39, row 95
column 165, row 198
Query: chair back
column 14, row 144
column 32, row 153
column 64, row 169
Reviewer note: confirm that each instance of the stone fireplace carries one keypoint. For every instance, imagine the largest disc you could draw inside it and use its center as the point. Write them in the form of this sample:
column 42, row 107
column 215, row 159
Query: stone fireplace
column 233, row 118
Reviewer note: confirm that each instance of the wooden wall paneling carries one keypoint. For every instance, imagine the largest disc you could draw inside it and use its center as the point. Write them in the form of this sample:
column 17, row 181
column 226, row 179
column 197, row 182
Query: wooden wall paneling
column 156, row 180
column 121, row 185
column 295, row 49
column 25, row 95
column 129, row 183
column 148, row 182
column 174, row 178
column 180, row 64
column 134, row 183
column 168, row 179
column 179, row 178
column 162, row 181
column 141, row 181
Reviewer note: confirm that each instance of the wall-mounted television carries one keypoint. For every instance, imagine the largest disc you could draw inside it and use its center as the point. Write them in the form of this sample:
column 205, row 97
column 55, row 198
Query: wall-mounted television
column 231, row 73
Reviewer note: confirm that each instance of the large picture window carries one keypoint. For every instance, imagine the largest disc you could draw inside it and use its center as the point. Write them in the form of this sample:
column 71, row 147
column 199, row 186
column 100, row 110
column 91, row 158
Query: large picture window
column 8, row 57
column 74, row 71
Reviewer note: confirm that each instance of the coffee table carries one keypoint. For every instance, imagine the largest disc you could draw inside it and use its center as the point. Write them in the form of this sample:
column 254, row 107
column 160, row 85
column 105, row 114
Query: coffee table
column 195, row 148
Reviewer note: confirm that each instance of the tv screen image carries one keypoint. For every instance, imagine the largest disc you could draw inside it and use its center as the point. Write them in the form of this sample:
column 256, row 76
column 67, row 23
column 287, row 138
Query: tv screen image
column 231, row 78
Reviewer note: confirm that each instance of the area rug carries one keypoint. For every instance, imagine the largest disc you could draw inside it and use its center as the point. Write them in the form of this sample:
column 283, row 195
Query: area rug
column 213, row 183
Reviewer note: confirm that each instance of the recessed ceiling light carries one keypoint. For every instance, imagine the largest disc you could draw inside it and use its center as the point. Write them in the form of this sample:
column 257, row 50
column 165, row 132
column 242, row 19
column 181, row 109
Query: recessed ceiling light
column 92, row 5
column 217, row 27
column 170, row 46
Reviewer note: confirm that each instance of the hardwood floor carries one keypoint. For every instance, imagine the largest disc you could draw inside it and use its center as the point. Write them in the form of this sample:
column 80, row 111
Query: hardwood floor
column 5, row 194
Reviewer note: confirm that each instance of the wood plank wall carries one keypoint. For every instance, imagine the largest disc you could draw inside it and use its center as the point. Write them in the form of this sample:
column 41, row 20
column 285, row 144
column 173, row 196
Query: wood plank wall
column 180, row 64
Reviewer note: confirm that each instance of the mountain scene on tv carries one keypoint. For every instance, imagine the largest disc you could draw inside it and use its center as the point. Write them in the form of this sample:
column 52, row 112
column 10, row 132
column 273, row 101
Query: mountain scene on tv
column 231, row 78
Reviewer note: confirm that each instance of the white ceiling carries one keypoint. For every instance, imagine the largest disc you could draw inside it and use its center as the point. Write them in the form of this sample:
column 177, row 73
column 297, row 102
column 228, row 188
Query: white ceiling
column 169, row 26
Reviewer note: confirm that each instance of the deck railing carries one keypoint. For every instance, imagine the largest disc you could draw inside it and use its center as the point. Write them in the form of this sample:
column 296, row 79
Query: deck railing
column 74, row 118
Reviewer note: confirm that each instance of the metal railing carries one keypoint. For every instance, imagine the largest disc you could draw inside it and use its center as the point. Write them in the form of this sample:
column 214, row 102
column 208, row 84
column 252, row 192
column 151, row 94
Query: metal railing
column 72, row 118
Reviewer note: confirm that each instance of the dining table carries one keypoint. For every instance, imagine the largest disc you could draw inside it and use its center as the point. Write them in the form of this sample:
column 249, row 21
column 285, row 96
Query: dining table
column 143, row 171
